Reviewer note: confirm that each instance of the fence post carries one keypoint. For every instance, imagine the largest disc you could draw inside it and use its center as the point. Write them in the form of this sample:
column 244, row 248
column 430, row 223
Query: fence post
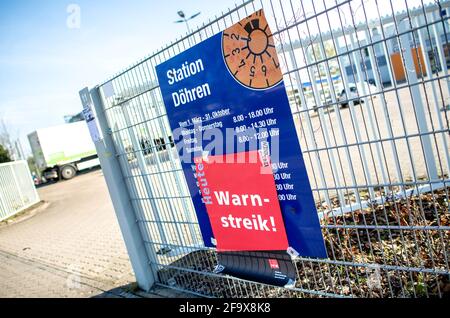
column 416, row 96
column 140, row 257
column 436, row 21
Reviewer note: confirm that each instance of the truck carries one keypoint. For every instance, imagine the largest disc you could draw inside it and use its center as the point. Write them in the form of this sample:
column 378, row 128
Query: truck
column 62, row 151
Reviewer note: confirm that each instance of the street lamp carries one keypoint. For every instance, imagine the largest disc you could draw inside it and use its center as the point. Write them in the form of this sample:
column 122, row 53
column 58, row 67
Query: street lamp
column 185, row 20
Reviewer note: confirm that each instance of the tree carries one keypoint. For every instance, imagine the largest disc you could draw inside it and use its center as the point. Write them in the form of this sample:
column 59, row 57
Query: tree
column 5, row 138
column 32, row 165
column 4, row 155
column 9, row 142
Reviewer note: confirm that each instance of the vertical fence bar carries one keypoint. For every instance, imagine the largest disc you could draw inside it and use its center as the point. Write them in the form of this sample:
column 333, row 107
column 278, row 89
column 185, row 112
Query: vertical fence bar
column 410, row 70
column 304, row 106
column 363, row 79
column 378, row 82
column 146, row 275
column 440, row 47
column 437, row 103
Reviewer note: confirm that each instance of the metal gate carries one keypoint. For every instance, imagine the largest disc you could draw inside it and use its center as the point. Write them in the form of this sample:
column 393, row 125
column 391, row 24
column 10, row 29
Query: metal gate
column 17, row 190
column 369, row 88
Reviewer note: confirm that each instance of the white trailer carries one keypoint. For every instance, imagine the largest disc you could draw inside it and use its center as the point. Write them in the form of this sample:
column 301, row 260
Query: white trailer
column 61, row 151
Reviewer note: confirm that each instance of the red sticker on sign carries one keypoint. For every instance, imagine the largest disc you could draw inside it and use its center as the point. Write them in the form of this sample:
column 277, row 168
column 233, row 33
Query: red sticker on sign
column 273, row 263
column 242, row 203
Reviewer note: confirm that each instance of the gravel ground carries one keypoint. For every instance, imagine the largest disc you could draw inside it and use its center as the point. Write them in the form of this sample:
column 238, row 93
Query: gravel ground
column 392, row 243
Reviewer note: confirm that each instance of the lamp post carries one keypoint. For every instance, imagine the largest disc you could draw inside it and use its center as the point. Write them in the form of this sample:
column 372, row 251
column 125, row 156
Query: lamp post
column 185, row 20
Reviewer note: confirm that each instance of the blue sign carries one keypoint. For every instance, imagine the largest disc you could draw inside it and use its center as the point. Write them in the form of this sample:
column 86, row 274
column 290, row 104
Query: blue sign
column 232, row 84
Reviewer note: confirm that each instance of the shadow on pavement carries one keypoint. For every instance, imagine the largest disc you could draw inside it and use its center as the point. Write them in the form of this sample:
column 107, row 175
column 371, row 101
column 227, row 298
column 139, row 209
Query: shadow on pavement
column 126, row 291
column 133, row 291
column 79, row 173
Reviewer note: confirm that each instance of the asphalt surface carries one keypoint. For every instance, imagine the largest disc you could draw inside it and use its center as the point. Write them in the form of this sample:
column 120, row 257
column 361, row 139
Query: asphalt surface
column 70, row 246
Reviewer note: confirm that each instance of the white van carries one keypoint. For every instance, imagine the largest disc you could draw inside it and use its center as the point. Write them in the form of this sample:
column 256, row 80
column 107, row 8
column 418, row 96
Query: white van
column 356, row 92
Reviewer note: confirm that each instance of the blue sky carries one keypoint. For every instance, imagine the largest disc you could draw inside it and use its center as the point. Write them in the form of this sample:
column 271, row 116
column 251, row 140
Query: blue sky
column 44, row 63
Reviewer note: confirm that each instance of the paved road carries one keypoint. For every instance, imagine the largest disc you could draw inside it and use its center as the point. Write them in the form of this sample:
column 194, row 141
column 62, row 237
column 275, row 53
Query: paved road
column 371, row 162
column 71, row 248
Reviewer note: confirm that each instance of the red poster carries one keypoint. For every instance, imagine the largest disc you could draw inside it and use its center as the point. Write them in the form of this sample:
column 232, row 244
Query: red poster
column 241, row 201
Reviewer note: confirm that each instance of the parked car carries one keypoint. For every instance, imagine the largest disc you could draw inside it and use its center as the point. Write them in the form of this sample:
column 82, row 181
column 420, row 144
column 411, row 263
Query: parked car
column 36, row 179
column 356, row 91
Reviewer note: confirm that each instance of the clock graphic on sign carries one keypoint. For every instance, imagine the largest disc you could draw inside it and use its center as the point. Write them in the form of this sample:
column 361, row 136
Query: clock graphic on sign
column 249, row 52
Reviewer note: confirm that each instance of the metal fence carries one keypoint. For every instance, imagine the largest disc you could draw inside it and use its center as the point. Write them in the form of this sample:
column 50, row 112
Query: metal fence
column 17, row 190
column 378, row 161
